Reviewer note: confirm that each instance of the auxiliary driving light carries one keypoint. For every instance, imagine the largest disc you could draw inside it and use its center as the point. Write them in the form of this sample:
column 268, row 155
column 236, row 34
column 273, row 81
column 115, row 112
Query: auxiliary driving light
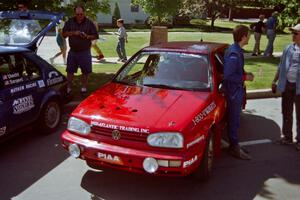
column 150, row 165
column 74, row 150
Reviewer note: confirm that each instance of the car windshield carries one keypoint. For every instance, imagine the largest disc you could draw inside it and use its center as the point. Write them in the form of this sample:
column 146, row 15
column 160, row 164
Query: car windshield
column 167, row 70
column 20, row 31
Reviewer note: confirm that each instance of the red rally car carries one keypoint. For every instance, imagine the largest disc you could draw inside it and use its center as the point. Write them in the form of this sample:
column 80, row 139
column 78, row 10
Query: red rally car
column 161, row 114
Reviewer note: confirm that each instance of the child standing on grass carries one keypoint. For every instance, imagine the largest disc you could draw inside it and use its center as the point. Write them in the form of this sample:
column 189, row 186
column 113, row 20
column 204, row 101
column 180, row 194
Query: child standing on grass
column 122, row 36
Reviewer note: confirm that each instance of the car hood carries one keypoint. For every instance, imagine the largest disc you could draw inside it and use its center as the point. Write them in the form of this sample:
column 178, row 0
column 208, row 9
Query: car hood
column 143, row 107
column 25, row 28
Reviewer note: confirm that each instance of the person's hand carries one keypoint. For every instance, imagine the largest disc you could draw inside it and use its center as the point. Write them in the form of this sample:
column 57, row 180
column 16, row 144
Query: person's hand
column 249, row 77
column 76, row 33
column 274, row 87
column 83, row 35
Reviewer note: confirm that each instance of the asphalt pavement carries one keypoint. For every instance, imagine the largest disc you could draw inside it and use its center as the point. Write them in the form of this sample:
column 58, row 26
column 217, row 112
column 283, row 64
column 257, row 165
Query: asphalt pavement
column 35, row 166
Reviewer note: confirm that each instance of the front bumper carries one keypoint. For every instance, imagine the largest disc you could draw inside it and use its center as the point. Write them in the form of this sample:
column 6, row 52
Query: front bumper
column 129, row 159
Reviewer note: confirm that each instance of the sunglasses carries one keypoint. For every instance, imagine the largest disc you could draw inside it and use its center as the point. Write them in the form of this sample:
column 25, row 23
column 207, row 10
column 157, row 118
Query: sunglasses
column 295, row 33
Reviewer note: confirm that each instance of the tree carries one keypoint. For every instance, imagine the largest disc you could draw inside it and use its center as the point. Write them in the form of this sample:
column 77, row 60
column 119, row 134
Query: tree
column 159, row 9
column 289, row 12
column 210, row 8
column 117, row 14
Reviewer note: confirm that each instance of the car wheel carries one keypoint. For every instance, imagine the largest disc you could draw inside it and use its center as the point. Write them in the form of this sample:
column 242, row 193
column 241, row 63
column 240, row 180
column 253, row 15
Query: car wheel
column 205, row 168
column 50, row 116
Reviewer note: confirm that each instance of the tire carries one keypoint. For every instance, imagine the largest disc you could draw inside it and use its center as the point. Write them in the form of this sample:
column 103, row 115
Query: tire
column 204, row 171
column 50, row 116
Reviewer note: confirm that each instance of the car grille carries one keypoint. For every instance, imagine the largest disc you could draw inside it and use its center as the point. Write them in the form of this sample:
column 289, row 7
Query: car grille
column 125, row 135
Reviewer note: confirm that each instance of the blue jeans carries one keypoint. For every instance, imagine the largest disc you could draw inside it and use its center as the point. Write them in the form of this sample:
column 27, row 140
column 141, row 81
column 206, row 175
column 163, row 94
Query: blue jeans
column 234, row 106
column 121, row 49
column 271, row 37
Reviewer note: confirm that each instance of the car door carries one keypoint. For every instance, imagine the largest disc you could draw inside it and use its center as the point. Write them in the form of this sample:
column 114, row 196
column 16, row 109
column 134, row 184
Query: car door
column 4, row 108
column 23, row 95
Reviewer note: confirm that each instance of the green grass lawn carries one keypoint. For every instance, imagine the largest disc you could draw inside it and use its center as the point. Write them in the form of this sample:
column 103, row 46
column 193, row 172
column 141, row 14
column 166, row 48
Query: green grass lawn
column 264, row 70
column 138, row 40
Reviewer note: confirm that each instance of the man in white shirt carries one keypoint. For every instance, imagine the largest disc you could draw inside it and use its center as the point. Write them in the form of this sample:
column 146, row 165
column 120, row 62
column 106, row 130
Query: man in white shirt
column 288, row 76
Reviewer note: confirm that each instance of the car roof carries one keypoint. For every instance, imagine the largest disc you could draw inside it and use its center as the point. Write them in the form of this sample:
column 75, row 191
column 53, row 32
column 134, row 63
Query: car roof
column 188, row 47
column 10, row 49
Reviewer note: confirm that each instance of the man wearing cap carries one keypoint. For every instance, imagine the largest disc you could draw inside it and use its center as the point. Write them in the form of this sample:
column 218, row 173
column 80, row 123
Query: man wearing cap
column 288, row 77
column 271, row 33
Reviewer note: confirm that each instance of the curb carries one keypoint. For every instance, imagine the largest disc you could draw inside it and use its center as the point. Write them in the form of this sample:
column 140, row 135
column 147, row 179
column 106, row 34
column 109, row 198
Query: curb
column 262, row 94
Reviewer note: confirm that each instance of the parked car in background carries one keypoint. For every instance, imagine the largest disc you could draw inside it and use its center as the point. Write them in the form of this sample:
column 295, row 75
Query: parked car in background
column 162, row 114
column 31, row 90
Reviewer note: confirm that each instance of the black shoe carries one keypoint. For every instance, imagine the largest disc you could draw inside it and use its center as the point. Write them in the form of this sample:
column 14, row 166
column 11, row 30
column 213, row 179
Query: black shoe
column 284, row 141
column 254, row 54
column 237, row 152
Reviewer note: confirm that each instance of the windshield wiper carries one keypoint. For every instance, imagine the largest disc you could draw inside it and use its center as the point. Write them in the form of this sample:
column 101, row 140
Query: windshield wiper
column 125, row 82
column 163, row 86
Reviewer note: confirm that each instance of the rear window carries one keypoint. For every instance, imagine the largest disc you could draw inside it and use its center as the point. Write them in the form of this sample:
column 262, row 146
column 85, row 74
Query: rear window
column 19, row 31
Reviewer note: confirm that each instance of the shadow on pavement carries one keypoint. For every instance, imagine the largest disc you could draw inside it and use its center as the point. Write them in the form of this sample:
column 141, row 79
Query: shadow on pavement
column 26, row 158
column 231, row 178
column 255, row 127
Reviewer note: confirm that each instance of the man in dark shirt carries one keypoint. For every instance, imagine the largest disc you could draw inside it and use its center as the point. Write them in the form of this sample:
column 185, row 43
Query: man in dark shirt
column 258, row 29
column 271, row 33
column 81, row 31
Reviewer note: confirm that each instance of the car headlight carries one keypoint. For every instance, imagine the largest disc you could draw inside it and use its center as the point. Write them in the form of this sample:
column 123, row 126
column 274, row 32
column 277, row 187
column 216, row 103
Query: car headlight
column 166, row 139
column 78, row 126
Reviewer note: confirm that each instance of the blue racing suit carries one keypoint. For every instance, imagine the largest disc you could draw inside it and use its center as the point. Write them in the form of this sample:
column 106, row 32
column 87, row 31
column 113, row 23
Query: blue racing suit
column 234, row 91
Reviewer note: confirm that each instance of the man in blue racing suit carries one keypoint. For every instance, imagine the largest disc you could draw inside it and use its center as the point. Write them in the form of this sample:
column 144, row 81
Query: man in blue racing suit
column 234, row 76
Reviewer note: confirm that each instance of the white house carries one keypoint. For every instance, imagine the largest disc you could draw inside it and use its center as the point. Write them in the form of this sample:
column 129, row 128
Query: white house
column 130, row 13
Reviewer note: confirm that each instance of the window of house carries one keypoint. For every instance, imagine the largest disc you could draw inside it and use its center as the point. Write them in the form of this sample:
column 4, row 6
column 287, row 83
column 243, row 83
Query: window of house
column 134, row 8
